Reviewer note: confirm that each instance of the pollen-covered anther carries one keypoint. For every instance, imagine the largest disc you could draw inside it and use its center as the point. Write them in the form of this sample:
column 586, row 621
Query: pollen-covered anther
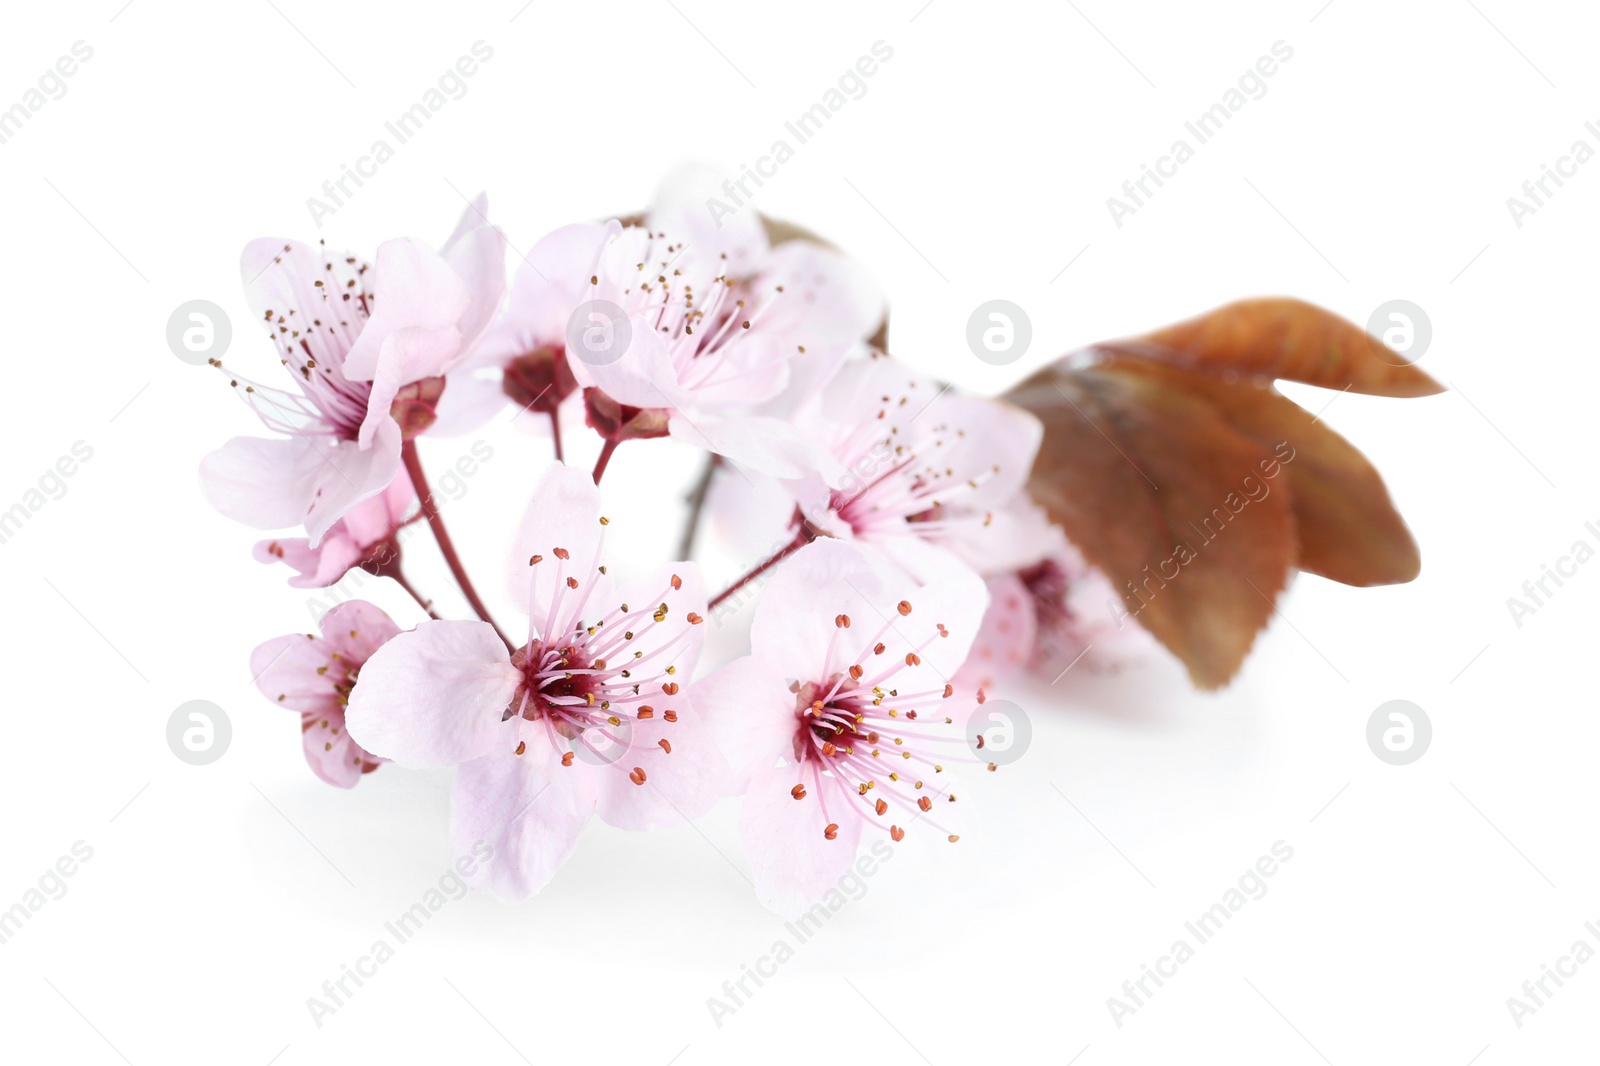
column 949, row 690
column 953, row 838
column 522, row 746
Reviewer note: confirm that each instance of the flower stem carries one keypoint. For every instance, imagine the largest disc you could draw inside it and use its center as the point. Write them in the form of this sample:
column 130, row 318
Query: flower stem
column 447, row 548
column 601, row 463
column 697, row 502
column 400, row 579
column 800, row 541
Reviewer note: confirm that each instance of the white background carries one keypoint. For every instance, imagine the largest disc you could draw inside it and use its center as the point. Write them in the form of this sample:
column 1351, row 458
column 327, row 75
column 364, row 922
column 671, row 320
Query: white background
column 977, row 165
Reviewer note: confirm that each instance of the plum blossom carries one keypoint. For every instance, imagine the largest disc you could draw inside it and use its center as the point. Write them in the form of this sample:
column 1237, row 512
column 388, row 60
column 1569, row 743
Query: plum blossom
column 1048, row 607
column 315, row 675
column 592, row 713
column 836, row 725
column 367, row 346
column 920, row 473
column 681, row 328
column 364, row 537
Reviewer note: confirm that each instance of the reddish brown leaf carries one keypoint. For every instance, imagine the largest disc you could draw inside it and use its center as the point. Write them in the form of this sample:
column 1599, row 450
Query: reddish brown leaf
column 1346, row 525
column 1150, row 482
column 1288, row 339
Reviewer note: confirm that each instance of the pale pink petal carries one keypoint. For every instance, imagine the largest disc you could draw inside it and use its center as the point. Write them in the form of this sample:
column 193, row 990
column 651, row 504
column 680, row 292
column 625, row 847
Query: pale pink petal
column 268, row 483
column 356, row 629
column 330, row 751
column 469, row 401
column 414, row 289
column 474, row 216
column 281, row 284
column 674, row 640
column 1013, row 537
column 749, row 369
column 551, row 283
column 286, row 668
column 318, row 567
column 642, row 375
column 529, row 809
column 434, row 696
column 748, row 707
column 752, row 515
column 478, row 256
column 679, row 210
column 375, row 519
column 922, row 560
column 766, row 445
column 406, row 355
column 810, row 372
column 828, row 298
column 351, row 474
column 564, row 513
column 683, row 782
column 1006, row 638
column 794, row 627
column 793, row 862
column 796, row 623
column 997, row 448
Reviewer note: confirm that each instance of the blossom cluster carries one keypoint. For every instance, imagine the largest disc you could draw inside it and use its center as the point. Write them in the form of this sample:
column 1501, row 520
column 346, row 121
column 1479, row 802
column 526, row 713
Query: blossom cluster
column 911, row 573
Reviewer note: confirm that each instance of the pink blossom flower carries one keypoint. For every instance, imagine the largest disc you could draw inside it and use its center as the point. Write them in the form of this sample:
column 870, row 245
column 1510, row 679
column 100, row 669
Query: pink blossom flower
column 592, row 713
column 836, row 725
column 315, row 675
column 920, row 473
column 1048, row 608
column 686, row 329
column 366, row 347
column 522, row 357
column 364, row 537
